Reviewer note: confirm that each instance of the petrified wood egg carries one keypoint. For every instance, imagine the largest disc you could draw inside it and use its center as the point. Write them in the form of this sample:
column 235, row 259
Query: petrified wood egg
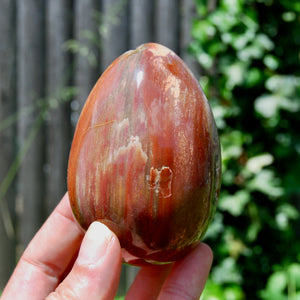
column 145, row 159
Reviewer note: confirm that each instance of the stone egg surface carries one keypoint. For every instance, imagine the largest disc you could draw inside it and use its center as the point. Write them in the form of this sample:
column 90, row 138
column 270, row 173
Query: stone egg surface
column 145, row 158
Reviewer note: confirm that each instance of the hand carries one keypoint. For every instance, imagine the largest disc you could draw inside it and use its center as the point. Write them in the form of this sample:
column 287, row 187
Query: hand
column 64, row 262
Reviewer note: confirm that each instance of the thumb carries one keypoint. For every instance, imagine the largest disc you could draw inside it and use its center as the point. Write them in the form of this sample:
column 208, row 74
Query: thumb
column 96, row 272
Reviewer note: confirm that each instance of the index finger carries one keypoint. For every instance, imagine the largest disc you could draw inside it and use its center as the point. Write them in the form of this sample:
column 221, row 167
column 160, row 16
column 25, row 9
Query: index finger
column 188, row 276
column 48, row 255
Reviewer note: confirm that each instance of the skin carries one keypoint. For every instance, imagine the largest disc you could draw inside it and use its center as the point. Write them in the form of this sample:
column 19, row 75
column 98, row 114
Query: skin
column 68, row 263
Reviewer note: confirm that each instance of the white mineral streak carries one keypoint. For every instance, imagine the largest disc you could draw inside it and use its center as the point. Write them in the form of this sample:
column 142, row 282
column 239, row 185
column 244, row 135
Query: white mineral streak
column 118, row 132
column 119, row 135
column 160, row 51
column 173, row 85
column 125, row 152
column 134, row 143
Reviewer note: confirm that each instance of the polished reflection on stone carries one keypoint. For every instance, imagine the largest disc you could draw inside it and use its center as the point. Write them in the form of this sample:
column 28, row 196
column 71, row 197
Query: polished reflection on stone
column 145, row 159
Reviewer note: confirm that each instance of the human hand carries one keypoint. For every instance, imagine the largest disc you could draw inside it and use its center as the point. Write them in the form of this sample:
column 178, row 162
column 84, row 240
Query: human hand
column 64, row 262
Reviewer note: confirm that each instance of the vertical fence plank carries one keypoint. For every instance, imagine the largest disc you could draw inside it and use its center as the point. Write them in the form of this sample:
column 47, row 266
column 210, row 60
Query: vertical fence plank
column 58, row 76
column 141, row 22
column 30, row 88
column 130, row 274
column 115, row 30
column 166, row 23
column 7, row 136
column 187, row 13
column 87, row 69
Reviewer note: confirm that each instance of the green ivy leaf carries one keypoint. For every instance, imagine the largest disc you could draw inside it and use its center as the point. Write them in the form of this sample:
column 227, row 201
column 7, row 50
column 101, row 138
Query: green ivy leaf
column 223, row 20
column 277, row 282
column 257, row 163
column 271, row 62
column 289, row 210
column 234, row 292
column 283, row 85
column 269, row 105
column 235, row 204
column 232, row 144
column 227, row 272
column 216, row 227
column 212, row 291
column 294, row 274
column 266, row 183
column 202, row 30
column 235, row 74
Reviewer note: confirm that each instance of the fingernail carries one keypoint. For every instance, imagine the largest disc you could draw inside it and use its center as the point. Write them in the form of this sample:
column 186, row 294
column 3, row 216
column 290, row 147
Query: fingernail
column 94, row 244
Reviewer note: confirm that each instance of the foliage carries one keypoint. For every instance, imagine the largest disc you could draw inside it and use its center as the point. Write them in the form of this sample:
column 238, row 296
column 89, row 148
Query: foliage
column 88, row 40
column 249, row 54
column 39, row 111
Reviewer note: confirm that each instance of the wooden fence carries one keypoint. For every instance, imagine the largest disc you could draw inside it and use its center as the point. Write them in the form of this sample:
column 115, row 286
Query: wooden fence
column 51, row 54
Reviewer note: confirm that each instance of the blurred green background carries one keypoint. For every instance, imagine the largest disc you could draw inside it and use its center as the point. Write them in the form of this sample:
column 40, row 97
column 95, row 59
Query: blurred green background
column 250, row 52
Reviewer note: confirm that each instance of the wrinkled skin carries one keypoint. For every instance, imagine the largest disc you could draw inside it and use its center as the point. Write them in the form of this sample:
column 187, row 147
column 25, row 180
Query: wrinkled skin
column 145, row 159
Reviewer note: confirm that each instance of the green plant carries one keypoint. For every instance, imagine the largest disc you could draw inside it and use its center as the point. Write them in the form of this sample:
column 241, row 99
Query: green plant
column 88, row 40
column 283, row 284
column 249, row 55
column 39, row 110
